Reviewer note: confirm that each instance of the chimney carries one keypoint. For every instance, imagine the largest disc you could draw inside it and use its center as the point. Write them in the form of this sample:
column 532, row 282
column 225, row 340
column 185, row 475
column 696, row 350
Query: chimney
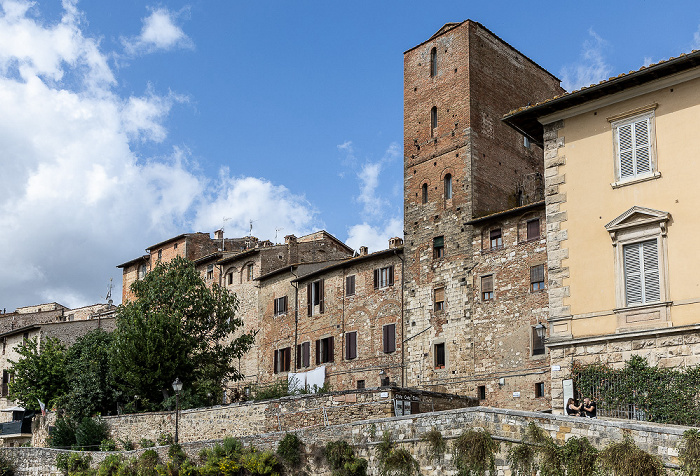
column 219, row 235
column 292, row 249
column 363, row 251
column 395, row 242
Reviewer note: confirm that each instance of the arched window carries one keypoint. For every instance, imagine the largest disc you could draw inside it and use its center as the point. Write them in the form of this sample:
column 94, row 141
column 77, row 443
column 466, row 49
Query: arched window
column 424, row 193
column 448, row 186
column 433, row 120
column 433, row 62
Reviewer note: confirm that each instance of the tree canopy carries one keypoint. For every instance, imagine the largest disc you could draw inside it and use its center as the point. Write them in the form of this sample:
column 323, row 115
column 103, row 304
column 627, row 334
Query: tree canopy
column 39, row 373
column 177, row 327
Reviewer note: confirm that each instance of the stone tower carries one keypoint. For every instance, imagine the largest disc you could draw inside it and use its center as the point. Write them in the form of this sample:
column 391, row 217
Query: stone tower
column 460, row 162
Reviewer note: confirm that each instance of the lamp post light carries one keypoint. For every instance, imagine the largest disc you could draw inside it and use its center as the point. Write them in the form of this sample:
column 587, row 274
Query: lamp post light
column 540, row 329
column 177, row 386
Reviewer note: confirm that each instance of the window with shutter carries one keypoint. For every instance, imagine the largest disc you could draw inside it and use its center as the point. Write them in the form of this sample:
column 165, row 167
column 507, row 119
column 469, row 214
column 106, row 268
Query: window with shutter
column 537, row 278
column 389, row 338
column 350, row 345
column 324, row 350
column 634, row 147
column 383, row 277
column 350, row 285
column 533, row 229
column 439, row 299
column 487, row 287
column 641, row 264
column 495, row 238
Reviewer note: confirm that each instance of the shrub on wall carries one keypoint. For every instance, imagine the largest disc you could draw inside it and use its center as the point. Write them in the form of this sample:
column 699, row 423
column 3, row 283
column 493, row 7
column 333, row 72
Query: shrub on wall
column 6, row 467
column 474, row 453
column 579, row 457
column 395, row 461
column 291, row 449
column 342, row 460
column 626, row 459
column 689, row 455
column 436, row 444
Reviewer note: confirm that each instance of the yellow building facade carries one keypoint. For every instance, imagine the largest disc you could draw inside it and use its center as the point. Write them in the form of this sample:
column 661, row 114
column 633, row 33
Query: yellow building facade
column 621, row 171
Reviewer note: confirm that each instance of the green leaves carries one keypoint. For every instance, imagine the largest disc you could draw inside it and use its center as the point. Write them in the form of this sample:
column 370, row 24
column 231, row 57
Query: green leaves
column 39, row 374
column 177, row 328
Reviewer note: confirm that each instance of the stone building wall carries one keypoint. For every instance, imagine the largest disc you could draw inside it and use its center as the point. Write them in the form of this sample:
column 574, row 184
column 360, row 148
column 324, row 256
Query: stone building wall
column 477, row 80
column 506, row 426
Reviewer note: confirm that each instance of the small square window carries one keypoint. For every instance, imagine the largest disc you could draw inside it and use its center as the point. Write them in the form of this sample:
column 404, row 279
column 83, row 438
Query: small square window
column 350, row 285
column 360, row 384
column 439, row 355
column 495, row 239
column 539, row 390
column 175, row 246
column 487, row 287
column 438, row 247
column 439, row 297
column 537, row 278
column 481, row 392
column 533, row 229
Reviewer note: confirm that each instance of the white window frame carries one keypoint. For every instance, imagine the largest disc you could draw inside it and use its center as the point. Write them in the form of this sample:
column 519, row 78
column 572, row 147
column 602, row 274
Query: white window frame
column 633, row 119
column 640, row 225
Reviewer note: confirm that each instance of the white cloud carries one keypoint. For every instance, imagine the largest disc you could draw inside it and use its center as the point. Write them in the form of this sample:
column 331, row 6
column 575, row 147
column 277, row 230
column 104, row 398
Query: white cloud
column 77, row 200
column 696, row 39
column 159, row 32
column 375, row 237
column 591, row 67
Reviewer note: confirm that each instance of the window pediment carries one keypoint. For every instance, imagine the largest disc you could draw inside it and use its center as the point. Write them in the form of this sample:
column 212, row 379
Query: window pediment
column 638, row 217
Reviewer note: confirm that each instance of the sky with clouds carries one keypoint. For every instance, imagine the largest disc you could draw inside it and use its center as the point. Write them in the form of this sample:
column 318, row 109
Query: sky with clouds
column 125, row 123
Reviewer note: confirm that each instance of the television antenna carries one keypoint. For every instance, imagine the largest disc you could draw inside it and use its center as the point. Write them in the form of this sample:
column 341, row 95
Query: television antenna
column 109, row 292
column 276, row 231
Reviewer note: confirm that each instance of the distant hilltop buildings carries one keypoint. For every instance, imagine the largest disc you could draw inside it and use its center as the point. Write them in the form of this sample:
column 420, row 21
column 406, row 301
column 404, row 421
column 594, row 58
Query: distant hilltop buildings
column 541, row 228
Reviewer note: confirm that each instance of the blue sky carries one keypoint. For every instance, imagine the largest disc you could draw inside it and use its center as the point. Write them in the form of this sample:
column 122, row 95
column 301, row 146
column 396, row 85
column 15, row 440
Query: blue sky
column 124, row 123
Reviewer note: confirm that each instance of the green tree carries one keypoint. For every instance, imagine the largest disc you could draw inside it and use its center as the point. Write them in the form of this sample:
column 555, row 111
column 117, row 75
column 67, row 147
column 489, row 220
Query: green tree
column 177, row 327
column 91, row 384
column 39, row 373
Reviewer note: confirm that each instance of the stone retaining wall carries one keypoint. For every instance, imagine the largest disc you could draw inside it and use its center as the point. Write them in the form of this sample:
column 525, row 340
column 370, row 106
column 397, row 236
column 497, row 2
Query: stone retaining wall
column 504, row 425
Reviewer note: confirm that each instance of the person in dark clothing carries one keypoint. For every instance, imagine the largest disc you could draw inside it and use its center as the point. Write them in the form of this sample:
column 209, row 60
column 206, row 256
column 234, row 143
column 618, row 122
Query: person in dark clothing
column 589, row 408
column 572, row 409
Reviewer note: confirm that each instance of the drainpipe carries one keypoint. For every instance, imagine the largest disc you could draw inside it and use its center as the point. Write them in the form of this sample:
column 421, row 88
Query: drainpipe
column 296, row 318
column 403, row 335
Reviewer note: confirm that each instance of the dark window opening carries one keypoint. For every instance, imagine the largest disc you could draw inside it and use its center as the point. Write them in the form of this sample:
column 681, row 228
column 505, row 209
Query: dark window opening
column 324, row 350
column 350, row 285
column 537, row 343
column 314, row 297
column 433, row 120
column 350, row 345
column 433, row 62
column 539, row 389
column 440, row 356
column 439, row 299
column 438, row 247
column 448, row 186
column 303, row 354
column 280, row 305
column 384, row 382
column 249, row 274
column 424, row 193
column 383, row 277
column 487, row 288
column 537, row 278
column 283, row 359
column 495, row 239
column 533, row 229
column 160, row 254
column 210, row 271
column 389, row 338
column 229, row 279
column 360, row 384
column 481, row 392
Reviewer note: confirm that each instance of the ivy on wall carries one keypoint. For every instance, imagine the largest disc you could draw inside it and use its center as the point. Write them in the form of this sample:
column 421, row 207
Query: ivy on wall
column 640, row 391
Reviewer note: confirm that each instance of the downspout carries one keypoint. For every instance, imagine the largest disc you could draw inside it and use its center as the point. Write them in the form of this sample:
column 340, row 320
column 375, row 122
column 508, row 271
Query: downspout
column 403, row 336
column 296, row 318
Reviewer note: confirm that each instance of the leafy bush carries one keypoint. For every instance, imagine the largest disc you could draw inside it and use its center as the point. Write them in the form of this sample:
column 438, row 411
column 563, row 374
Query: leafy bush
column 108, row 445
column 176, row 454
column 580, row 457
column 146, row 443
column 342, row 460
column 62, row 435
column 521, row 459
column 626, row 459
column 165, row 439
column 689, row 455
column 263, row 463
column 147, row 463
column 436, row 444
column 278, row 389
column 7, row 468
column 474, row 453
column 90, row 433
column 110, row 466
column 549, row 454
column 395, row 461
column 290, row 449
column 127, row 445
column 70, row 463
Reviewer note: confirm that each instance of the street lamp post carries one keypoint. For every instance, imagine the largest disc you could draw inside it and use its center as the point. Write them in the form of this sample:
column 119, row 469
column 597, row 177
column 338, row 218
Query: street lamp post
column 177, row 386
column 541, row 330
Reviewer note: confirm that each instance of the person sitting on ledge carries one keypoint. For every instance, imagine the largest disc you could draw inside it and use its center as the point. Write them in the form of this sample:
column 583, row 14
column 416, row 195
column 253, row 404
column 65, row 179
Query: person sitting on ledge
column 589, row 409
column 572, row 409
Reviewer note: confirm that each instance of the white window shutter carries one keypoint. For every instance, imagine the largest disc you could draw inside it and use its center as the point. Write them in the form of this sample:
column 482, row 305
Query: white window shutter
column 641, row 147
column 652, row 291
column 625, row 151
column 633, row 275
